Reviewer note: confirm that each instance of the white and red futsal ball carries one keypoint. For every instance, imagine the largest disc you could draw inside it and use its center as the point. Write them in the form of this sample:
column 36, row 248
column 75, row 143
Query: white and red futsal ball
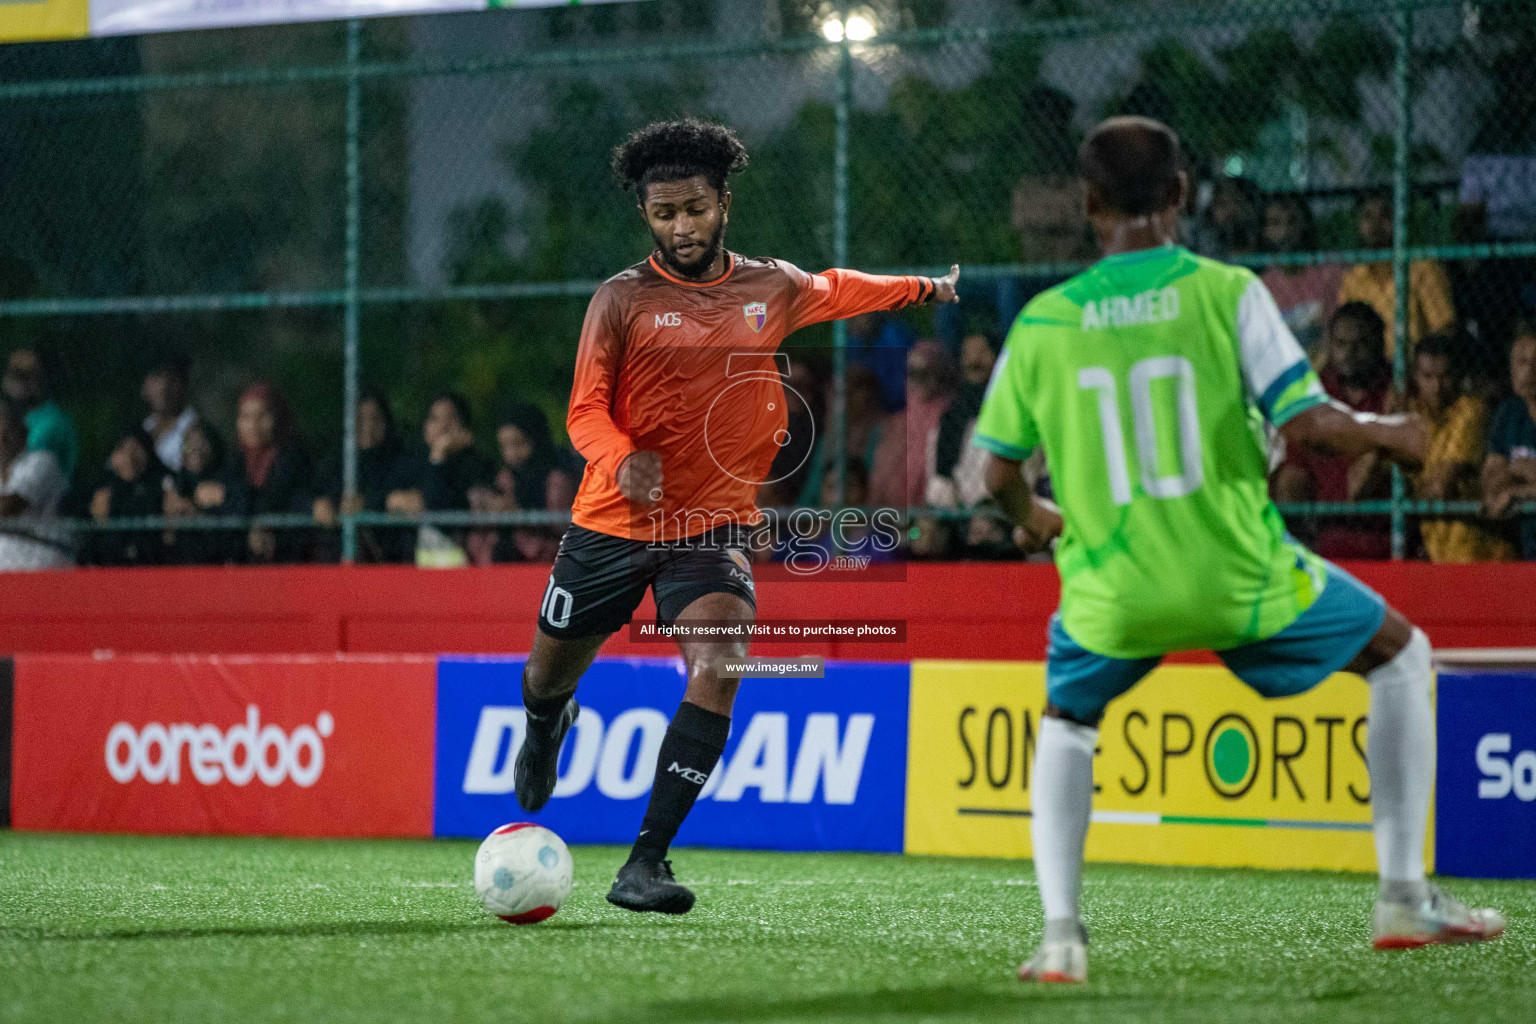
column 523, row 872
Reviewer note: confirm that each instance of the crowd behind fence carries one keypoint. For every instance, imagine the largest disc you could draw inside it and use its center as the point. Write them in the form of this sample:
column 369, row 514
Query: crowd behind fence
column 312, row 292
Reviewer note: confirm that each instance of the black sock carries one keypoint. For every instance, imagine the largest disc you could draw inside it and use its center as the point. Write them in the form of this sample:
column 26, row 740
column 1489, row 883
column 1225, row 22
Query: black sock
column 689, row 752
column 542, row 707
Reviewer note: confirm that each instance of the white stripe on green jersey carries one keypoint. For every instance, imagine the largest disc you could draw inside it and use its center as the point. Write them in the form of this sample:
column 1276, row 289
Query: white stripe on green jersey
column 1148, row 379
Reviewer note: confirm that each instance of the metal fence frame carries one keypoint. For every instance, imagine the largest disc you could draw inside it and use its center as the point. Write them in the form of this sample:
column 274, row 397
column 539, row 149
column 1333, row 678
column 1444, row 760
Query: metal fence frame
column 354, row 72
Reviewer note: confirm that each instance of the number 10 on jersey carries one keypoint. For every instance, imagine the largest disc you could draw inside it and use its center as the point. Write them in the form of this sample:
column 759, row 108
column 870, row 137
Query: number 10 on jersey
column 1191, row 467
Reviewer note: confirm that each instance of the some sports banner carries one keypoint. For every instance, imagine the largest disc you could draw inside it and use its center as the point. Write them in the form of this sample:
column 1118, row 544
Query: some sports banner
column 1486, row 821
column 23, row 20
column 124, row 17
column 303, row 746
column 1192, row 768
column 43, row 19
column 811, row 764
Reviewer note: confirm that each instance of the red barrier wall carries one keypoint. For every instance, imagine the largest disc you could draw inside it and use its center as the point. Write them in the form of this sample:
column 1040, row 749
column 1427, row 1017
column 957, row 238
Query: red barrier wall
column 954, row 610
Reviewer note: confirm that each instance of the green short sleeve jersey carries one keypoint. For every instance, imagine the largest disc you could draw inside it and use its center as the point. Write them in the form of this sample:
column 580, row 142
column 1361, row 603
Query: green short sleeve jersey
column 1149, row 379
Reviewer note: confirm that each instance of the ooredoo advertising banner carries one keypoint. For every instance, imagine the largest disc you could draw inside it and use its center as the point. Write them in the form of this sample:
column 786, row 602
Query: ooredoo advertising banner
column 302, row 746
column 1192, row 768
column 1486, row 786
column 811, row 764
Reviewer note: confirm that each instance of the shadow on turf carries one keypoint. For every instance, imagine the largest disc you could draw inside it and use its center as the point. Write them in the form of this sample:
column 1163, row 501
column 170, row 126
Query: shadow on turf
column 946, row 1000
column 334, row 929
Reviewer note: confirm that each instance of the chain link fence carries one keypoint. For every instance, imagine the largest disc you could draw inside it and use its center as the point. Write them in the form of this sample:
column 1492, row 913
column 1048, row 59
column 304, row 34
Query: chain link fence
column 397, row 209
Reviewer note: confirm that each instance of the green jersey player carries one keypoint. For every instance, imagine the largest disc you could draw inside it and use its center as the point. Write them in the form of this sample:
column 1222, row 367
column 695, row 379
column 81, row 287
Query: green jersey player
column 1153, row 381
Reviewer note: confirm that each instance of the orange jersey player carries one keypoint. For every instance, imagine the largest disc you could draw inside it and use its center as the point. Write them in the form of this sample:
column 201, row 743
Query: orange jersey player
column 684, row 369
column 679, row 408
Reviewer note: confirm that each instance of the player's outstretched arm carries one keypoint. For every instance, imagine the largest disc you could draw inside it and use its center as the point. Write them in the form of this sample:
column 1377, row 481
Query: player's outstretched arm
column 837, row 294
column 1333, row 426
column 1040, row 520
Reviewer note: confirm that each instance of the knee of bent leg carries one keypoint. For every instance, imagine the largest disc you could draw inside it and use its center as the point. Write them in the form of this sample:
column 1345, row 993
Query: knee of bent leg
column 1411, row 665
column 710, row 683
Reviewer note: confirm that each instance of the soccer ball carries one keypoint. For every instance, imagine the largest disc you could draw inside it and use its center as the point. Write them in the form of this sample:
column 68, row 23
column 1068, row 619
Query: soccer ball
column 523, row 872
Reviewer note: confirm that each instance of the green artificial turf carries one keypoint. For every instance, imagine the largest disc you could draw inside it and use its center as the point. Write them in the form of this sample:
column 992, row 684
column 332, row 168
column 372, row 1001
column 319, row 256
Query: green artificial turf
column 153, row 929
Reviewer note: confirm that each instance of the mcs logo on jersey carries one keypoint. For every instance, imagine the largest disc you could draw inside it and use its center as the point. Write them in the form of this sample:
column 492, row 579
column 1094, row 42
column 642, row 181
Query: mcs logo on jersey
column 808, row 766
column 278, row 746
column 1485, row 793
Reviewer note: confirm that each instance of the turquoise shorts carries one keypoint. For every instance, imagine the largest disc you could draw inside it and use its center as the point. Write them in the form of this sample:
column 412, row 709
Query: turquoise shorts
column 1322, row 640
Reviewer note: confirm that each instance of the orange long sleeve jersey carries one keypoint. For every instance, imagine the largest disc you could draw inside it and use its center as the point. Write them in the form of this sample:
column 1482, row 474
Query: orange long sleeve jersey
column 687, row 370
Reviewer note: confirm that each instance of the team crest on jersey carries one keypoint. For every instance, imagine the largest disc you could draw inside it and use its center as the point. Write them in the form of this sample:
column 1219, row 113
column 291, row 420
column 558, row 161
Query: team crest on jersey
column 756, row 314
column 740, row 558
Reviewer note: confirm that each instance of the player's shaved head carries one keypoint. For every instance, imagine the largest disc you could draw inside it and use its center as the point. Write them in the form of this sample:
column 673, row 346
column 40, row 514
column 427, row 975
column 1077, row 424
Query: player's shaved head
column 1132, row 163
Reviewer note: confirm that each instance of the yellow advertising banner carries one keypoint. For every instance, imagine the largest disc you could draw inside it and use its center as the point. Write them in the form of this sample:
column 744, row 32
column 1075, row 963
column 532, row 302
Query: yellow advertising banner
column 44, row 19
column 1192, row 768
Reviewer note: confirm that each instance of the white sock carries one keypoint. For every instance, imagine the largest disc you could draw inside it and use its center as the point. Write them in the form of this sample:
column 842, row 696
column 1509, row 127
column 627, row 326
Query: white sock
column 1401, row 754
column 1063, row 802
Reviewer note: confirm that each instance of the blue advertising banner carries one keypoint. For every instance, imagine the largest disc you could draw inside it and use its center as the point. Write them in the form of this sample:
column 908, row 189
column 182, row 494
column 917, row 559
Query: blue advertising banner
column 1485, row 798
column 812, row 764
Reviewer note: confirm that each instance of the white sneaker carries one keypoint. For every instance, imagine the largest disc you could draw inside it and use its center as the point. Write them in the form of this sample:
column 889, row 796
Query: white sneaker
column 1058, row 961
column 1438, row 920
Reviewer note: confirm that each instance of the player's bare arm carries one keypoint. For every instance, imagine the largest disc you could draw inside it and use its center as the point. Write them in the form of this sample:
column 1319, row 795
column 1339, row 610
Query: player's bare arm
column 1039, row 520
column 1402, row 438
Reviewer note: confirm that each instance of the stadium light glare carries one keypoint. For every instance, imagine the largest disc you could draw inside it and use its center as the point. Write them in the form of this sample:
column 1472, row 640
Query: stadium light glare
column 861, row 27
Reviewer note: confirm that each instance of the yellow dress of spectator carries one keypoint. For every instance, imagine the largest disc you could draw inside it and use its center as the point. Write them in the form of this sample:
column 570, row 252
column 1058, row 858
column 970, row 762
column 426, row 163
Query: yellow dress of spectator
column 1458, row 439
column 1429, row 297
column 1430, row 309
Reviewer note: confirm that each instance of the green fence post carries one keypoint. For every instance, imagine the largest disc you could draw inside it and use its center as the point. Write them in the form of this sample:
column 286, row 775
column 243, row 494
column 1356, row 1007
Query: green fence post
column 350, row 308
column 1402, row 31
column 842, row 106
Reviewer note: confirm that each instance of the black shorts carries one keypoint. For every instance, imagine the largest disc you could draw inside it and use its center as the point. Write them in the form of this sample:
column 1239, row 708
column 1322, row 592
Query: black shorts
column 599, row 580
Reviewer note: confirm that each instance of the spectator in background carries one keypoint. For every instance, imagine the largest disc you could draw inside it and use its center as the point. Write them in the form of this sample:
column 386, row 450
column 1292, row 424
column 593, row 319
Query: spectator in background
column 795, row 461
column 1458, row 425
column 905, row 457
column 978, row 354
column 49, row 428
column 1357, row 374
column 879, row 341
column 956, row 481
column 269, row 473
column 167, row 387
column 867, row 426
column 1509, row 471
column 379, row 455
column 1430, row 309
column 529, row 479
column 1229, row 226
column 31, row 486
column 196, row 489
column 440, row 479
column 132, row 486
column 1307, row 294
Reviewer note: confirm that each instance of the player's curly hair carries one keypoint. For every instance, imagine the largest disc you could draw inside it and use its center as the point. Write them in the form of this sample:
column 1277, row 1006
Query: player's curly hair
column 673, row 150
